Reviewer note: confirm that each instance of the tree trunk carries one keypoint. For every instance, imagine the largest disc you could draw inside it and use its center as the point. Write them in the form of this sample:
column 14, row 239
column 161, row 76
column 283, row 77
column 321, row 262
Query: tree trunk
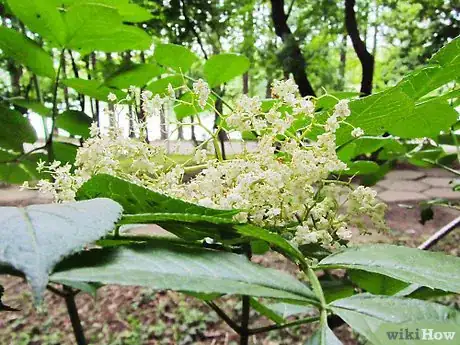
column 343, row 63
column 292, row 59
column 366, row 59
column 246, row 83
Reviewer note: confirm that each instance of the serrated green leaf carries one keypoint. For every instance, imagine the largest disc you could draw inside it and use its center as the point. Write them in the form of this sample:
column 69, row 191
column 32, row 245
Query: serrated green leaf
column 406, row 264
column 35, row 238
column 137, row 75
column 427, row 120
column 136, row 199
column 376, row 113
column 222, row 68
column 175, row 56
column 25, row 51
column 366, row 313
column 75, row 122
column 166, row 264
column 15, row 129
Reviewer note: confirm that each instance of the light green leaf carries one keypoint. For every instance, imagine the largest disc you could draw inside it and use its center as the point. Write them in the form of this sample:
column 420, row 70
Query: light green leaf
column 41, row 17
column 131, row 13
column 222, row 68
column 166, row 264
column 98, row 27
column 175, row 56
column 27, row 52
column 15, row 129
column 160, row 86
column 365, row 313
column 35, row 238
column 361, row 168
column 406, row 264
column 376, row 113
column 137, row 75
column 75, row 122
column 427, row 120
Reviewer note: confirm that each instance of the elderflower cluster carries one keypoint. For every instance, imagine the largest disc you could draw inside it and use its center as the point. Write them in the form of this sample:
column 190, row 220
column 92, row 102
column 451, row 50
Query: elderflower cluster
column 287, row 184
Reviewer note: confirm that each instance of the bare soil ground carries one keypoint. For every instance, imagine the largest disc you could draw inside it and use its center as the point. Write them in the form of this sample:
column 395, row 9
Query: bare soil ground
column 139, row 316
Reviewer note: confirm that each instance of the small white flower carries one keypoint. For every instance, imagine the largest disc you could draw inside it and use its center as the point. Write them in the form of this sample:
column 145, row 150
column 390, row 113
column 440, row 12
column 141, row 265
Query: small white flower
column 112, row 97
column 94, row 130
column 201, row 89
column 341, row 109
column 344, row 234
column 357, row 132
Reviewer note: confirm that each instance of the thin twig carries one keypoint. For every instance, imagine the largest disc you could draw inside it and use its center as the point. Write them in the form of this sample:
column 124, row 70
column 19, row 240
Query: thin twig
column 224, row 317
column 284, row 325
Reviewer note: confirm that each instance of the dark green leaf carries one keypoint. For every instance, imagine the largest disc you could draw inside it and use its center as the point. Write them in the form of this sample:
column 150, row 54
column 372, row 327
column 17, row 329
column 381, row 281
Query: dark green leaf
column 366, row 313
column 266, row 311
column 407, row 264
column 136, row 199
column 15, row 129
column 75, row 122
column 375, row 283
column 167, row 264
column 64, row 152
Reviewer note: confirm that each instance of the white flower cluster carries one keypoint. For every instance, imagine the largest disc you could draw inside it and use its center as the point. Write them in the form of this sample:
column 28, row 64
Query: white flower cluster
column 285, row 184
